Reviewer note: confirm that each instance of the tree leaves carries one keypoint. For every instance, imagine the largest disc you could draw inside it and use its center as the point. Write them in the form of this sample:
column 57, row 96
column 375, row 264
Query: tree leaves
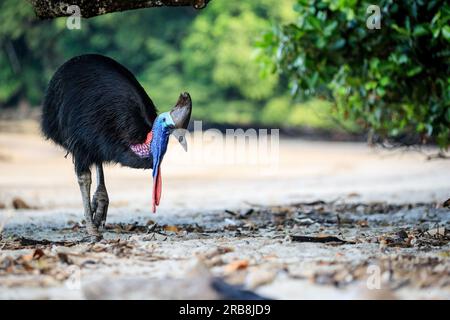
column 389, row 79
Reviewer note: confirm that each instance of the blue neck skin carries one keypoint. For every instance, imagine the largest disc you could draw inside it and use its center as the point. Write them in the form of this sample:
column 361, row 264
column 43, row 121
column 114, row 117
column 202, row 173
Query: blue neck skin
column 162, row 128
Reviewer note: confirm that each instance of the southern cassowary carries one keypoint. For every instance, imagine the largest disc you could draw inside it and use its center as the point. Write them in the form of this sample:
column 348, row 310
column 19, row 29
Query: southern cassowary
column 97, row 110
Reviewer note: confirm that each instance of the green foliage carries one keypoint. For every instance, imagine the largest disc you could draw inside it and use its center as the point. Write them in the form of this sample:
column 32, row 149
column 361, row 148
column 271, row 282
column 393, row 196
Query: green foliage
column 314, row 113
column 209, row 53
column 219, row 54
column 21, row 50
column 394, row 80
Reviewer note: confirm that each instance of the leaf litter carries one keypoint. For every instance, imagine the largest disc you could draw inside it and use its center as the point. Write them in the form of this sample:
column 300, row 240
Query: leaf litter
column 409, row 244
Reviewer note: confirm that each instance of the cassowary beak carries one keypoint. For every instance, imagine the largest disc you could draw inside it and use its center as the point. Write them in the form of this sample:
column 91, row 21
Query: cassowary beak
column 181, row 114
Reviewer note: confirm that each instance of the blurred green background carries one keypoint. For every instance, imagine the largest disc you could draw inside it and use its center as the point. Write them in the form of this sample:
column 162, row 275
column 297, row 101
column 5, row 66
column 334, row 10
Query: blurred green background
column 211, row 53
column 392, row 79
column 284, row 63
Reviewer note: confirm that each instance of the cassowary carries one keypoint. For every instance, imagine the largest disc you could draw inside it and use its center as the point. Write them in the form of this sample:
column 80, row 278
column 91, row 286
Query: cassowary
column 96, row 109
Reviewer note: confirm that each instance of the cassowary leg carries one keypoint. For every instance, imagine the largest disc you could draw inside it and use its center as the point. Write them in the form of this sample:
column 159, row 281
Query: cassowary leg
column 84, row 181
column 100, row 200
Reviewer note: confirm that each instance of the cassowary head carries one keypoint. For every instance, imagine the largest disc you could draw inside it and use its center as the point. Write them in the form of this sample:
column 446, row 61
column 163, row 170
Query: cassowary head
column 173, row 122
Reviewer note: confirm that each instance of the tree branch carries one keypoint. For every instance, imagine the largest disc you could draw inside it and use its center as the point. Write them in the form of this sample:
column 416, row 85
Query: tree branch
column 48, row 9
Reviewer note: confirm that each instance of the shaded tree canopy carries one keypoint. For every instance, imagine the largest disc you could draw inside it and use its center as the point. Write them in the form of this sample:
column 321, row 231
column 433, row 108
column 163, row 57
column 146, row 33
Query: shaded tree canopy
column 210, row 53
column 393, row 80
column 48, row 9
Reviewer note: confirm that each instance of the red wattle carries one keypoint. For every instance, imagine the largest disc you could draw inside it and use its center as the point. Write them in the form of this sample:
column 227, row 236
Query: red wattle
column 157, row 187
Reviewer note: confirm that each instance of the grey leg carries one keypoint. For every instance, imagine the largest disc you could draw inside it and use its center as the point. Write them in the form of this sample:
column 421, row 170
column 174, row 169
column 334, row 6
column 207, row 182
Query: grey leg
column 84, row 181
column 100, row 200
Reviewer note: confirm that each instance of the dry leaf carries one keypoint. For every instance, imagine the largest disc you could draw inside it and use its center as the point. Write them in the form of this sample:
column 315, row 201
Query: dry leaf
column 130, row 227
column 98, row 248
column 38, row 253
column 353, row 195
column 363, row 223
column 171, row 228
column 236, row 265
column 26, row 257
column 27, row 266
column 18, row 203
column 218, row 251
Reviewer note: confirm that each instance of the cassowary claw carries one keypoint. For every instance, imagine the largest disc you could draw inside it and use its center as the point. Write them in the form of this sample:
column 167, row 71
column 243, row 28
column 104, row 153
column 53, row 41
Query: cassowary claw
column 99, row 206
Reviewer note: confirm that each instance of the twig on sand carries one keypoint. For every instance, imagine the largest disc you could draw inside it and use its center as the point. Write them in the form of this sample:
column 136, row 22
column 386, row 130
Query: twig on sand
column 317, row 202
column 32, row 242
column 324, row 239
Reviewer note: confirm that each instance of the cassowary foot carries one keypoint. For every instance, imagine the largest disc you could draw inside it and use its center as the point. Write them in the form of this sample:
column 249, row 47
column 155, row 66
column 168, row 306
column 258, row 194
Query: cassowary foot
column 92, row 230
column 99, row 206
column 93, row 234
column 84, row 181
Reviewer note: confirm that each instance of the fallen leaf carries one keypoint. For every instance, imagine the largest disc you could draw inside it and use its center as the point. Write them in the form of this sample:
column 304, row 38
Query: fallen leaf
column 26, row 257
column 98, row 248
column 35, row 255
column 18, row 203
column 130, row 227
column 363, row 223
column 170, row 228
column 27, row 266
column 38, row 253
column 353, row 195
column 236, row 265
column 218, row 251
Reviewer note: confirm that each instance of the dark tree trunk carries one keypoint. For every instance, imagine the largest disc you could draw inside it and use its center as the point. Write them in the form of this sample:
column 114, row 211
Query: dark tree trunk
column 48, row 9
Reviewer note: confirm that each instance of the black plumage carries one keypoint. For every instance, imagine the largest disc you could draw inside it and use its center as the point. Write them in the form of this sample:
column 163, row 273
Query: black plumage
column 95, row 109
